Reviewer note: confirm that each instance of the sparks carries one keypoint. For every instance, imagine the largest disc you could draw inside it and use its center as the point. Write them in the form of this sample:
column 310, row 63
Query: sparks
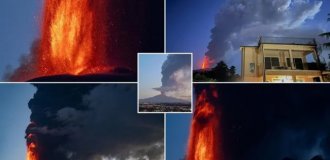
column 204, row 140
column 72, row 40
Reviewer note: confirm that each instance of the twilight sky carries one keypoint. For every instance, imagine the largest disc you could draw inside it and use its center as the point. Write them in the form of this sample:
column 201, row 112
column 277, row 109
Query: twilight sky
column 150, row 68
column 19, row 26
column 14, row 117
column 239, row 22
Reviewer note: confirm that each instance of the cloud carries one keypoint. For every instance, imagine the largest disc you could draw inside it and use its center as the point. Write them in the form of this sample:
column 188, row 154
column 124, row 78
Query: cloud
column 176, row 76
column 92, row 122
column 250, row 19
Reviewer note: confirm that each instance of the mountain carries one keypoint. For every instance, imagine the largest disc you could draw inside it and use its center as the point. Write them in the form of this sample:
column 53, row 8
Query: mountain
column 163, row 99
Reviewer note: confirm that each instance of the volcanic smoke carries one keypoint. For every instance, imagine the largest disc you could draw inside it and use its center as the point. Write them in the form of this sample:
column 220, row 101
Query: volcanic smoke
column 205, row 136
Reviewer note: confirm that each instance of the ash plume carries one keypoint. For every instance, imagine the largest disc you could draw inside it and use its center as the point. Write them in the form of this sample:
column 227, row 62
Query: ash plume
column 241, row 22
column 89, row 121
column 176, row 76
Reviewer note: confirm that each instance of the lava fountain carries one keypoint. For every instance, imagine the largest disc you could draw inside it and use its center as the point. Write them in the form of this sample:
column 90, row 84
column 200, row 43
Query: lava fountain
column 73, row 38
column 206, row 62
column 205, row 136
column 31, row 146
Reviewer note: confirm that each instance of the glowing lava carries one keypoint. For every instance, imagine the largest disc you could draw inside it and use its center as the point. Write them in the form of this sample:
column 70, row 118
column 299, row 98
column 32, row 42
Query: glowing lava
column 206, row 62
column 31, row 149
column 205, row 136
column 73, row 38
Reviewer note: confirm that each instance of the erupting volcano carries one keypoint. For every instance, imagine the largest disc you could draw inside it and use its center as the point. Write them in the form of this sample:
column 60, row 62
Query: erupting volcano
column 206, row 62
column 91, row 40
column 73, row 38
column 31, row 146
column 205, row 136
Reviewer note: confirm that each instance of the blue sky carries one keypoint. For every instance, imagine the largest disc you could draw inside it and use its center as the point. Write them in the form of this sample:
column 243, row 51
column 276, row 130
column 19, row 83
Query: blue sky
column 14, row 118
column 150, row 67
column 189, row 24
column 177, row 133
column 19, row 25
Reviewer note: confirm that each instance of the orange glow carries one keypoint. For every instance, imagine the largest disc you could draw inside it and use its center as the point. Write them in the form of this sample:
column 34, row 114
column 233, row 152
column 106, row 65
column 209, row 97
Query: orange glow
column 206, row 62
column 72, row 38
column 31, row 153
column 204, row 140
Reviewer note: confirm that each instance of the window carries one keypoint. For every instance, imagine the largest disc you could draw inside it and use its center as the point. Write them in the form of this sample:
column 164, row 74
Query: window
column 252, row 67
column 288, row 62
column 298, row 63
column 271, row 62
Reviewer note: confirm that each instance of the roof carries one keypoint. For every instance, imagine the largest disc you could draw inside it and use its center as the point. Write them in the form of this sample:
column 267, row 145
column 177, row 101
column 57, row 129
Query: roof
column 287, row 40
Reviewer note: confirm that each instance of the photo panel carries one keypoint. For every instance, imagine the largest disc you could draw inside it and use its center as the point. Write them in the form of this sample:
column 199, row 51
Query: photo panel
column 252, row 40
column 78, row 41
column 252, row 122
column 165, row 83
column 77, row 121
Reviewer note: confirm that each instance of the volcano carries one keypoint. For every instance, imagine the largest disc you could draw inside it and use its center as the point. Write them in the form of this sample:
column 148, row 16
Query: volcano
column 92, row 40
column 163, row 99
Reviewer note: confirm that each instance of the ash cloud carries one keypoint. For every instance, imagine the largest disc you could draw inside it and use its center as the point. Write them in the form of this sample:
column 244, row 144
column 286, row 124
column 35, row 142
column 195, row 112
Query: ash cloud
column 176, row 79
column 89, row 122
column 241, row 22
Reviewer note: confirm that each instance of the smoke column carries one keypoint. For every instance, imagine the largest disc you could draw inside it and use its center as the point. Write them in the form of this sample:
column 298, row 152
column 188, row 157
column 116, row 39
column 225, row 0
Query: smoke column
column 205, row 135
column 88, row 121
column 176, row 76
column 241, row 22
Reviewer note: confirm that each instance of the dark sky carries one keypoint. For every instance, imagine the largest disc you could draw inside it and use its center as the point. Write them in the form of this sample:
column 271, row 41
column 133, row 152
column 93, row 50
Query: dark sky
column 262, row 121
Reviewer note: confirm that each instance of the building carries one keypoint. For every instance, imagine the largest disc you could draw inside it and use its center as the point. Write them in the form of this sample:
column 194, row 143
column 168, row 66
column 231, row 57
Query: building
column 278, row 59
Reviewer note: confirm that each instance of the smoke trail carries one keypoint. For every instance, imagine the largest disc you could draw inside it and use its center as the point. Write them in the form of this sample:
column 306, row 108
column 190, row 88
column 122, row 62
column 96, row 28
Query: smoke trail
column 241, row 22
column 176, row 76
column 73, row 121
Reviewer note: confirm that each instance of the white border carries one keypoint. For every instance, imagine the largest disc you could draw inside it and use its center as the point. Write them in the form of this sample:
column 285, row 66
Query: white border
column 138, row 79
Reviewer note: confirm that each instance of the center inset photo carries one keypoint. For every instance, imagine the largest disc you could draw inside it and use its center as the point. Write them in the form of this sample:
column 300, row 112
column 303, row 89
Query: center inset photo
column 165, row 82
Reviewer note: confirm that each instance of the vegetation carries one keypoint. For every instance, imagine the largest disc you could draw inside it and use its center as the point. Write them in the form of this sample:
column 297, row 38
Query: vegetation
column 326, row 35
column 220, row 73
column 326, row 44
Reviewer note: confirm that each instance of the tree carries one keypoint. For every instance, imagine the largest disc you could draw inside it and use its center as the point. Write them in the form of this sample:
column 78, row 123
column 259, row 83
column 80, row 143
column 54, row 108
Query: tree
column 326, row 35
column 221, row 71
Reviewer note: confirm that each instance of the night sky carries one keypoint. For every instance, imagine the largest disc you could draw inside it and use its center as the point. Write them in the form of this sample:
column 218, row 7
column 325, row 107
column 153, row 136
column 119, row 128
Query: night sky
column 239, row 22
column 262, row 121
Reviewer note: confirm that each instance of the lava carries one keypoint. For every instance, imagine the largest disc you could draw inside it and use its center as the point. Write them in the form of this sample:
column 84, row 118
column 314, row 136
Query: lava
column 73, row 37
column 205, row 135
column 31, row 148
column 206, row 62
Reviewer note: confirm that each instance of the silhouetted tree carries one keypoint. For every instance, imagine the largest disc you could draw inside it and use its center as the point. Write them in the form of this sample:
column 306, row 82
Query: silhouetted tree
column 326, row 35
column 220, row 73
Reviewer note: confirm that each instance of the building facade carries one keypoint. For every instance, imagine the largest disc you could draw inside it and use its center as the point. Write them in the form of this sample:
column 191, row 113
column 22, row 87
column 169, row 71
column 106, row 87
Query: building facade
column 277, row 59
